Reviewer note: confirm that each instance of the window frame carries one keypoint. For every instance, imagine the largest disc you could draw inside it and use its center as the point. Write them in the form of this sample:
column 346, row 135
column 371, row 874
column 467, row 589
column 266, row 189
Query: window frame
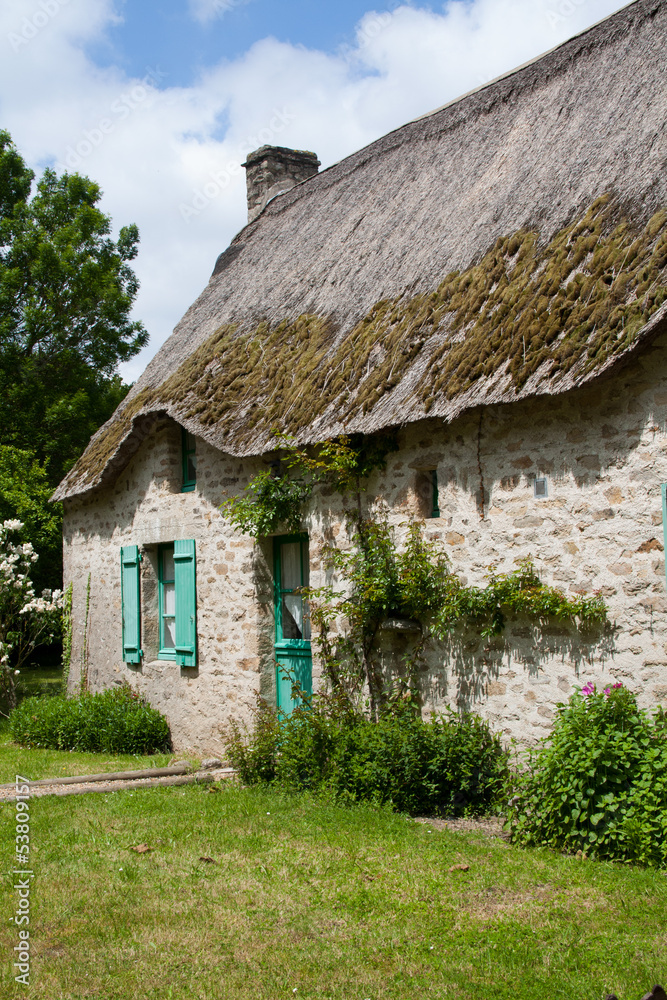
column 164, row 652
column 435, row 494
column 188, row 484
column 280, row 591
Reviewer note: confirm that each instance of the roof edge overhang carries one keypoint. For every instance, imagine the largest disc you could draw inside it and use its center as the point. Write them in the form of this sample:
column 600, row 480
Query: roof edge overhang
column 144, row 421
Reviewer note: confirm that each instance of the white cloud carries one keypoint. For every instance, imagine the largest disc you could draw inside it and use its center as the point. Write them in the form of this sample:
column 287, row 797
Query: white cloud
column 157, row 151
column 206, row 11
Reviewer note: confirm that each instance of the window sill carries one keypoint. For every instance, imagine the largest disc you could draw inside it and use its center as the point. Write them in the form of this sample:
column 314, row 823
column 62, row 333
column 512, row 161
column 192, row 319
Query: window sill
column 167, row 654
column 189, row 488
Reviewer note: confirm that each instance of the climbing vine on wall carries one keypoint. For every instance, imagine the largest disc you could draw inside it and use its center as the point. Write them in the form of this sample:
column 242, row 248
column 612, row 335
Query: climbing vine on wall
column 276, row 497
column 381, row 580
column 83, row 681
column 67, row 633
column 416, row 582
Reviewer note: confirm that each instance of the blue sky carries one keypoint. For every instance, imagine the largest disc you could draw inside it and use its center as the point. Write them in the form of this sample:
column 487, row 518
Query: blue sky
column 160, row 101
column 165, row 33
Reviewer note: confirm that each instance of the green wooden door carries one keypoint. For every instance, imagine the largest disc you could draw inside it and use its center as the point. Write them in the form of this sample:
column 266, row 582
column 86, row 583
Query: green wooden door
column 294, row 663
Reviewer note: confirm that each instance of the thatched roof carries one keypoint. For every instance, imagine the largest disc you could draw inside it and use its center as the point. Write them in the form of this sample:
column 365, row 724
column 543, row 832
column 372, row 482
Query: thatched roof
column 512, row 243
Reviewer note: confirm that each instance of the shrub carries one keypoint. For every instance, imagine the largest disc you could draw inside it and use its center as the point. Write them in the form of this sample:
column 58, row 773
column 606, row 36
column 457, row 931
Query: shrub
column 451, row 765
column 115, row 721
column 26, row 621
column 598, row 781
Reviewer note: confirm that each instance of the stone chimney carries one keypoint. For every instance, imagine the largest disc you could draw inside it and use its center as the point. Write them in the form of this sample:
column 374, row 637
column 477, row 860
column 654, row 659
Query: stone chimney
column 272, row 170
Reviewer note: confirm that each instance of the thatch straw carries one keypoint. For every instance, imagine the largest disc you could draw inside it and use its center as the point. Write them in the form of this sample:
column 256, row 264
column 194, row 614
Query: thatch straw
column 512, row 243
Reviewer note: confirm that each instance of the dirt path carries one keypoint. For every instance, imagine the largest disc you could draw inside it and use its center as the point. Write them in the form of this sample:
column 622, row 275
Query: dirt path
column 490, row 826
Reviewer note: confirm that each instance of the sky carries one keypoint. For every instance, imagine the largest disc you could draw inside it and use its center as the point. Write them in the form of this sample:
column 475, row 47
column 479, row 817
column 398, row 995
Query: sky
column 160, row 101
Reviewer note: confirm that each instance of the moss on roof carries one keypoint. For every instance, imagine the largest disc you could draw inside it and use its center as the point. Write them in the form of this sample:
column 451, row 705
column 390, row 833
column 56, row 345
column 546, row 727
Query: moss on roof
column 574, row 302
column 510, row 243
column 524, row 310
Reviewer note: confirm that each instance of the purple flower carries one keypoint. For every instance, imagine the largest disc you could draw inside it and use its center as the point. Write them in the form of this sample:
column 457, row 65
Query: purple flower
column 614, row 687
column 588, row 689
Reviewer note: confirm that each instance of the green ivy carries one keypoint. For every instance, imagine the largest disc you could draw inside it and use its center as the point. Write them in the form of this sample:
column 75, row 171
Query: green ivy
column 83, row 680
column 417, row 583
column 268, row 501
column 67, row 633
column 276, row 497
column 518, row 592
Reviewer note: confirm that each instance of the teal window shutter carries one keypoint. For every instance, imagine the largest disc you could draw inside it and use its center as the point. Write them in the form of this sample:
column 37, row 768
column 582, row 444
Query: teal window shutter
column 664, row 518
column 185, row 579
column 129, row 585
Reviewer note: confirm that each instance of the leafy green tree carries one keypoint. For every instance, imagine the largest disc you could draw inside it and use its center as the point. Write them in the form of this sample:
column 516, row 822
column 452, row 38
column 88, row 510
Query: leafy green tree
column 66, row 292
column 25, row 492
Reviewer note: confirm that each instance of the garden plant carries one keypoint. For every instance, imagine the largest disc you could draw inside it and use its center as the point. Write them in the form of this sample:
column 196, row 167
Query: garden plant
column 26, row 621
column 447, row 766
column 597, row 784
column 116, row 721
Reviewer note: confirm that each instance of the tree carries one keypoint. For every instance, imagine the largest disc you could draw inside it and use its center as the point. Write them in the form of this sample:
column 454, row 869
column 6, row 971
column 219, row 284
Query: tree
column 25, row 493
column 66, row 292
column 26, row 621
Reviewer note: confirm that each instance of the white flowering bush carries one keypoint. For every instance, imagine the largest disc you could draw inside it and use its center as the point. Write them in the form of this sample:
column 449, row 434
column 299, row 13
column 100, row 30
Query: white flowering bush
column 26, row 621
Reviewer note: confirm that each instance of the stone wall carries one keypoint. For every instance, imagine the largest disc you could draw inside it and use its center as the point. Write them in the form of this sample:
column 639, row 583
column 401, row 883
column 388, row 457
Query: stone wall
column 234, row 595
column 603, row 451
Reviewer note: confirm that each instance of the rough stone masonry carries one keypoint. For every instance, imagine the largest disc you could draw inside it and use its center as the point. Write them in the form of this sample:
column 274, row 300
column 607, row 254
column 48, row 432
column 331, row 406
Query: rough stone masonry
column 603, row 452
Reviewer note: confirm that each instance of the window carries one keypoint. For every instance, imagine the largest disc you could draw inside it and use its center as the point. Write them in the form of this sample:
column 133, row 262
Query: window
column 189, row 455
column 541, row 488
column 167, row 599
column 177, row 602
column 294, row 664
column 292, row 572
column 435, row 499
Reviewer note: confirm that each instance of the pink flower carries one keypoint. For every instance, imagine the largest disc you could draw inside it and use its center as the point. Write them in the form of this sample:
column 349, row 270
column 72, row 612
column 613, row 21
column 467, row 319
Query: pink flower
column 614, row 687
column 588, row 689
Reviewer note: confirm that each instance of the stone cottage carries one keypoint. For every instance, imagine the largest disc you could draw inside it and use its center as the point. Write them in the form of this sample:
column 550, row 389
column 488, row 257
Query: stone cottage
column 490, row 281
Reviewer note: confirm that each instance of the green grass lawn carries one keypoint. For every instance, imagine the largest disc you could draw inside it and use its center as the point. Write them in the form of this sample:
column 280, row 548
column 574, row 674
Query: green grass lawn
column 36, row 764
column 40, row 681
column 306, row 899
